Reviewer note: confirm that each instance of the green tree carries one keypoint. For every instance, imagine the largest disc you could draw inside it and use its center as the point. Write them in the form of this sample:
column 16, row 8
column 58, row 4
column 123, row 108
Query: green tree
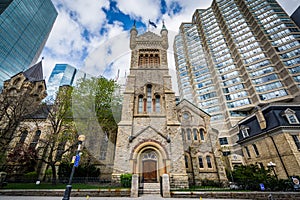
column 62, row 135
column 96, row 98
column 96, row 111
column 250, row 176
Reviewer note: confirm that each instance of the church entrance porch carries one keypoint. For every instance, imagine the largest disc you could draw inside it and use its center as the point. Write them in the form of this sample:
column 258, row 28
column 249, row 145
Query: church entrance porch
column 149, row 161
column 149, row 167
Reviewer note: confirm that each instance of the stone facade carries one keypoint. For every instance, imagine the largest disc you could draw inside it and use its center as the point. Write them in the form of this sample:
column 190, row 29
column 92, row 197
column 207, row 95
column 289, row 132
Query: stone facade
column 203, row 158
column 149, row 141
column 271, row 134
column 20, row 120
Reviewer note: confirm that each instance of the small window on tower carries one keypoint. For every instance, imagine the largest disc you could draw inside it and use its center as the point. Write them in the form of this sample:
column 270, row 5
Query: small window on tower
column 140, row 106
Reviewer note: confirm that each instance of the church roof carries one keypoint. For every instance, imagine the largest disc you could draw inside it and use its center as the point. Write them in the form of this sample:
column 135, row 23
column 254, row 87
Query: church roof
column 149, row 36
column 34, row 73
column 187, row 102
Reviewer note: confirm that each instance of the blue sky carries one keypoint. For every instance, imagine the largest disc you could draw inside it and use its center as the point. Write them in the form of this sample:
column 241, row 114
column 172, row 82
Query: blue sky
column 93, row 34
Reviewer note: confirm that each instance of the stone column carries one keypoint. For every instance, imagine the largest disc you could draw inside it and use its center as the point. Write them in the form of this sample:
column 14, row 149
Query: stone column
column 134, row 186
column 165, row 186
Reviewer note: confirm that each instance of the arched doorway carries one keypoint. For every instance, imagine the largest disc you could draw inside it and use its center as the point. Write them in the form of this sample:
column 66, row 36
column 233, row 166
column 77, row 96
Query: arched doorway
column 150, row 161
column 149, row 166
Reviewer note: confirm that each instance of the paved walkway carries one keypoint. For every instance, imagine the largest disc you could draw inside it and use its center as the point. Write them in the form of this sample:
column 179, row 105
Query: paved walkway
column 148, row 197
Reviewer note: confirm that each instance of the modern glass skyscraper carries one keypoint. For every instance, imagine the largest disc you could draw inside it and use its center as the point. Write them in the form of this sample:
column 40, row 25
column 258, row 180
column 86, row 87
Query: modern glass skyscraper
column 63, row 74
column 236, row 55
column 25, row 26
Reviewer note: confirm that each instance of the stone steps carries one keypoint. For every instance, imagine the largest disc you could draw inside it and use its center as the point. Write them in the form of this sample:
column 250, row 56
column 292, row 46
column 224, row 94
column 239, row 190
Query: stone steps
column 150, row 188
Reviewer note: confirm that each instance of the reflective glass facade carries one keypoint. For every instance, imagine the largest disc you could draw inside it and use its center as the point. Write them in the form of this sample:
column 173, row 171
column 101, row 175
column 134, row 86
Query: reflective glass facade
column 63, row 74
column 251, row 55
column 25, row 26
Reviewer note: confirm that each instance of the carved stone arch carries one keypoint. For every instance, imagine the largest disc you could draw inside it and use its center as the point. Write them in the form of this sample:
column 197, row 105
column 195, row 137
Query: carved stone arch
column 150, row 158
column 211, row 158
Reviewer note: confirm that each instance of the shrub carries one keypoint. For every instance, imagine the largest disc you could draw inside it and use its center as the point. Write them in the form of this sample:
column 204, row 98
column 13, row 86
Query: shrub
column 212, row 183
column 31, row 175
column 126, row 180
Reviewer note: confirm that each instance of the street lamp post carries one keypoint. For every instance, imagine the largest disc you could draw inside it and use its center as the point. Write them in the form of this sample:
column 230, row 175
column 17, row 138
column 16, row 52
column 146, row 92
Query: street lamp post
column 272, row 166
column 67, row 193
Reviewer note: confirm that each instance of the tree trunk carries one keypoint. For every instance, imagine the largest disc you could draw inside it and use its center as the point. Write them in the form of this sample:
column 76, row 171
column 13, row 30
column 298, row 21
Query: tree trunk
column 53, row 174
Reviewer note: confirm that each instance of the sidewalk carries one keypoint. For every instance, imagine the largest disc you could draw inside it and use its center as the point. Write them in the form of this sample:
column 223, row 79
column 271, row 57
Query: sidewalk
column 148, row 197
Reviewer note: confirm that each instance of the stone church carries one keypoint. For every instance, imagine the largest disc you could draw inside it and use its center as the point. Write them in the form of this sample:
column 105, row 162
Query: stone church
column 156, row 136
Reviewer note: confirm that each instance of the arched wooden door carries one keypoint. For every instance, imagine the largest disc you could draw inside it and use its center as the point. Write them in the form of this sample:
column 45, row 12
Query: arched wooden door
column 149, row 164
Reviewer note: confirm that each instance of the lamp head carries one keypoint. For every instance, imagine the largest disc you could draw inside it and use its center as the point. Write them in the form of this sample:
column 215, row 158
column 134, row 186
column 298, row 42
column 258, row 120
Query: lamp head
column 81, row 138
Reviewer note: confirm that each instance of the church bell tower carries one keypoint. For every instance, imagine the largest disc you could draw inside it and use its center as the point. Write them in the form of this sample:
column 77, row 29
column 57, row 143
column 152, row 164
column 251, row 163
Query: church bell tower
column 149, row 143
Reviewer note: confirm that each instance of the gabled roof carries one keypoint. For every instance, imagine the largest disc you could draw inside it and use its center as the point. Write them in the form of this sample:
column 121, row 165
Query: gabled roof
column 34, row 73
column 149, row 36
column 41, row 113
column 185, row 101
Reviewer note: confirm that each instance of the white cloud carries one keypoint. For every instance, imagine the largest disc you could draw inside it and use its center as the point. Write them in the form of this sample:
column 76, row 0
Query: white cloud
column 143, row 9
column 66, row 43
column 88, row 13
column 109, row 53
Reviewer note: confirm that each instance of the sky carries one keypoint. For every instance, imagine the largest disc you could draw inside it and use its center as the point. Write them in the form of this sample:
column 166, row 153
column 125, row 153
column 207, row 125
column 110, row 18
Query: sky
column 93, row 35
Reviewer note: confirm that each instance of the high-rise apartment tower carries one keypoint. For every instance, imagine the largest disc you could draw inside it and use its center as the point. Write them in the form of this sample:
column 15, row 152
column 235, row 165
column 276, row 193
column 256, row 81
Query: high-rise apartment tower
column 237, row 55
column 25, row 26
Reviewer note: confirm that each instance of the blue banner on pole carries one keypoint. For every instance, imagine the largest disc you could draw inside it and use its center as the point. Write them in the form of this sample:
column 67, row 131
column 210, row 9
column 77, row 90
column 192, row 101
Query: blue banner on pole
column 77, row 159
column 262, row 186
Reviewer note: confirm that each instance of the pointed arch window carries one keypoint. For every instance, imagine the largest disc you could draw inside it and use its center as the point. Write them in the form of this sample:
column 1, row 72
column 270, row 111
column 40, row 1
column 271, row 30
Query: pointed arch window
column 195, row 134
column 140, row 104
column 35, row 139
column 186, row 161
column 200, row 161
column 188, row 134
column 157, row 103
column 149, row 98
column 141, row 60
column 208, row 161
column 183, row 134
column 202, row 134
column 23, row 136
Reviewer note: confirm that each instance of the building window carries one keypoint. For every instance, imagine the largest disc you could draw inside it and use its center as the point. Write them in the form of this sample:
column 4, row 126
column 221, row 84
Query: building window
column 157, row 104
column 186, row 116
column 183, row 134
column 296, row 140
column 23, row 136
column 208, row 160
column 200, row 160
column 35, row 139
column 202, row 134
column 186, row 161
column 149, row 98
column 189, row 134
column 291, row 116
column 223, row 140
column 245, row 131
column 195, row 134
column 248, row 152
column 255, row 149
column 140, row 106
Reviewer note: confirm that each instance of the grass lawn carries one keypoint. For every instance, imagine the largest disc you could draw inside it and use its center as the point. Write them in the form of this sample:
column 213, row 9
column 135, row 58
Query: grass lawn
column 57, row 186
